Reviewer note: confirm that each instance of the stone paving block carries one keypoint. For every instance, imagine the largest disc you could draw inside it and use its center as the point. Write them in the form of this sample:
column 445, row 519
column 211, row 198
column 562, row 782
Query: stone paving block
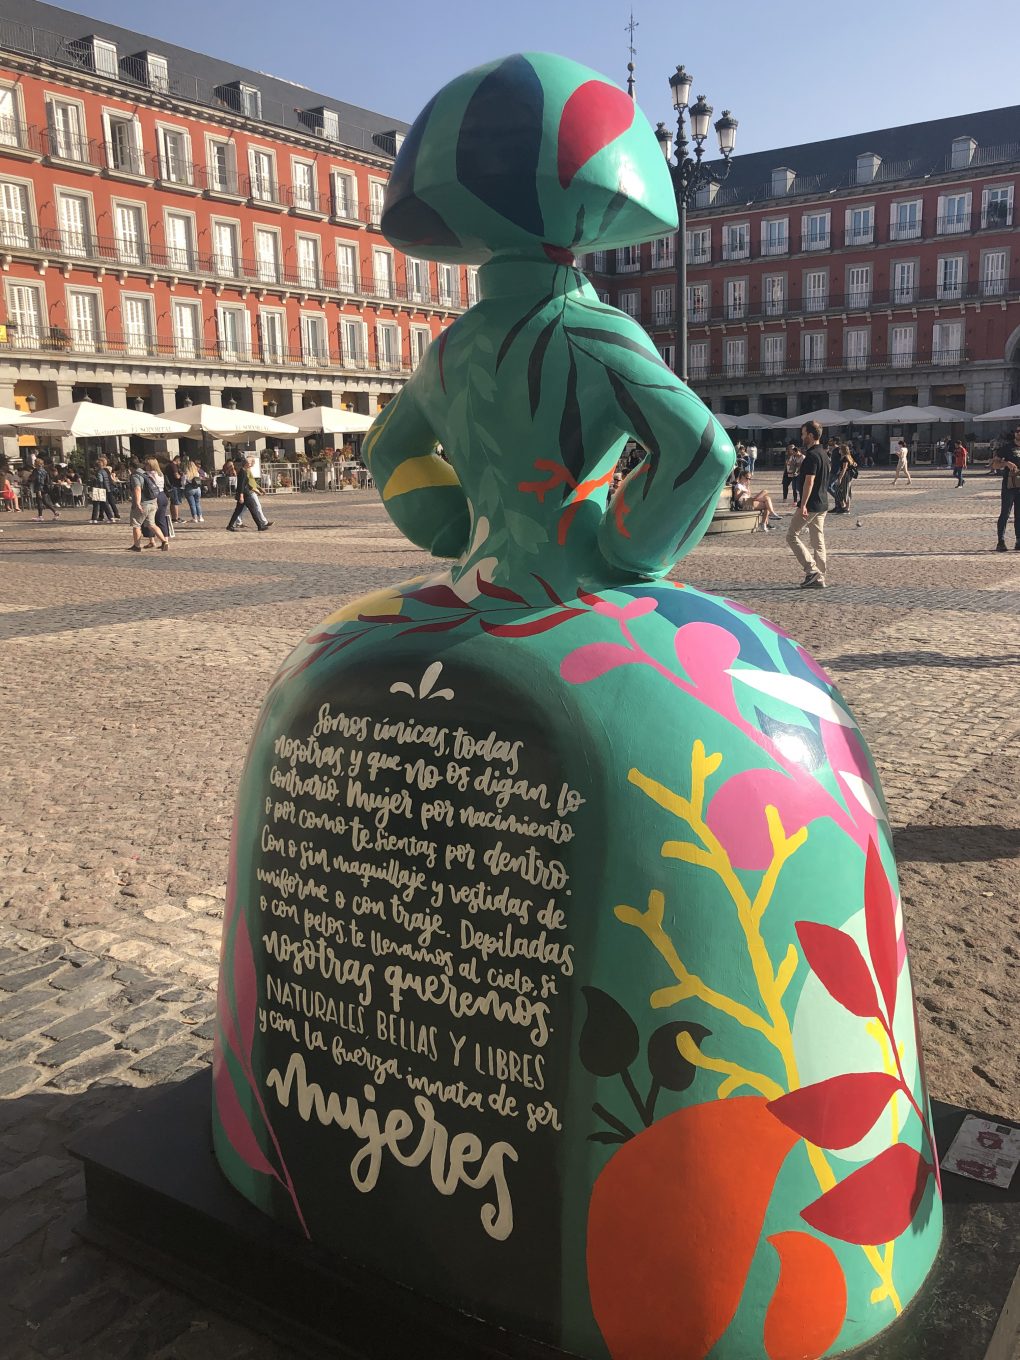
column 165, row 1062
column 28, row 977
column 149, row 1036
column 133, row 1016
column 30, row 1175
column 15, row 1027
column 15, row 1079
column 21, row 1221
column 77, row 977
column 60, row 1028
column 66, row 1050
column 82, row 1076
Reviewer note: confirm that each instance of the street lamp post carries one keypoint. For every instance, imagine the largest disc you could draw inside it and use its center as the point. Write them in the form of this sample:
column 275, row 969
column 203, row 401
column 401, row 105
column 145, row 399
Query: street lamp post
column 689, row 174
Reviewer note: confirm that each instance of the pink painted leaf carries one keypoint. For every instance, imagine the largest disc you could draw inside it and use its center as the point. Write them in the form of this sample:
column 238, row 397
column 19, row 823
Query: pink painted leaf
column 228, row 1025
column 442, row 596
column 880, row 919
column 594, row 115
column 235, row 1123
column 835, row 957
column 837, row 1112
column 595, row 659
column 706, row 653
column 532, row 626
column 875, row 1204
column 245, row 987
column 736, row 814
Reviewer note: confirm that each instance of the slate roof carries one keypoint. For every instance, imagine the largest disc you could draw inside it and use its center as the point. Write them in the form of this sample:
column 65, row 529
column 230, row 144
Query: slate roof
column 33, row 27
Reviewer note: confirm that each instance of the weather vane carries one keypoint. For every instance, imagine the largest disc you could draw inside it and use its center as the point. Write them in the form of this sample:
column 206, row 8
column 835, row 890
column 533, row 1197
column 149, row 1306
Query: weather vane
column 633, row 52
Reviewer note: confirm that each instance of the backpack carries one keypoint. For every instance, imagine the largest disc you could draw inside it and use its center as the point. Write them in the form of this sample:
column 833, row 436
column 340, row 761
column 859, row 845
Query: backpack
column 149, row 487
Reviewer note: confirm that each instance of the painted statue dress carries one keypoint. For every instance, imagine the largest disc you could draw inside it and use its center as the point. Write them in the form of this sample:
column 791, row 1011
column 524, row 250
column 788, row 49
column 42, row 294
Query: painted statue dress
column 563, row 973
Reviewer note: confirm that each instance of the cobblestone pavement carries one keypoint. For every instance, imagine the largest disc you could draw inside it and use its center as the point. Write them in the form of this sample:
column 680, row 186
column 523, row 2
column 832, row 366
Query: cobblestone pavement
column 131, row 685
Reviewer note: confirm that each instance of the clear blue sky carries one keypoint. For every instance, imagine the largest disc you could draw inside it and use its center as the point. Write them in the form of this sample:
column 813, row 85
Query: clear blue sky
column 790, row 70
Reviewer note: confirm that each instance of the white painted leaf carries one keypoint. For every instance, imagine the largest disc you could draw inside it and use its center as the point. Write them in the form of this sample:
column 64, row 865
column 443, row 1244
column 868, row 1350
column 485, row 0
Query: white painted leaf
column 398, row 687
column 864, row 793
column 797, row 693
column 429, row 678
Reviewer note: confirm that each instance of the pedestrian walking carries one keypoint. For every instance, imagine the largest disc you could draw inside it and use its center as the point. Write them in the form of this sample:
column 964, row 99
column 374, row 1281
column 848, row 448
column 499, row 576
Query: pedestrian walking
column 1007, row 461
column 960, row 459
column 145, row 495
column 104, row 510
column 902, row 460
column 791, row 472
column 247, row 497
column 191, row 477
column 174, row 487
column 42, row 489
column 843, row 480
column 752, row 458
column 809, row 519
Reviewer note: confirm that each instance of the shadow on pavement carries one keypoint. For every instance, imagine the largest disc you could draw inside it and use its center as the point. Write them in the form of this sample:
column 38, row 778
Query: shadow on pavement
column 955, row 844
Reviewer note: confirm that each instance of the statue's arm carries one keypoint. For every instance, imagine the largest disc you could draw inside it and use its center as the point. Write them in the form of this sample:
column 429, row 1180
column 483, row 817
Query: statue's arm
column 420, row 491
column 663, row 506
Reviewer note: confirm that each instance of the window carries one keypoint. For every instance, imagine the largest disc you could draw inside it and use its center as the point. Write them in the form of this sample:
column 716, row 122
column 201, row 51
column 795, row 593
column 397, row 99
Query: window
column 262, row 174
column 15, row 223
column 950, row 277
column 66, row 130
column 905, row 220
column 773, row 294
column 222, row 167
column 736, row 241
column 180, row 240
column 345, row 195
column 267, row 255
column 75, row 233
column 860, row 226
column 962, row 152
column 156, row 71
column 226, row 252
column 25, row 311
column 947, row 342
column 628, row 258
column 232, row 327
column 329, row 124
column 662, row 306
column 314, row 346
column 858, row 286
column 902, row 345
column 421, row 338
column 472, row 285
column 83, row 314
column 954, row 213
column 123, row 144
column 697, row 358
column 129, row 231
column 376, row 194
column 698, row 303
column 736, row 356
column 10, row 123
column 271, row 332
column 309, row 269
column 662, row 253
column 773, row 353
column 417, row 272
column 699, row 245
column 382, row 269
column 597, row 261
column 812, row 351
column 666, row 355
column 816, row 290
column 387, row 342
column 174, row 156
column 856, row 347
column 187, row 320
column 904, row 281
column 347, row 267
column 630, row 302
column 449, row 289
column 248, row 100
column 815, row 231
column 303, row 185
column 355, row 344
column 993, row 273
column 736, row 298
column 104, row 57
column 775, row 236
column 138, row 329
column 997, row 206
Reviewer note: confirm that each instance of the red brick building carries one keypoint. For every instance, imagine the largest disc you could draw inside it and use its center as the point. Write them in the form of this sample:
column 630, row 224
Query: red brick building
column 869, row 271
column 172, row 226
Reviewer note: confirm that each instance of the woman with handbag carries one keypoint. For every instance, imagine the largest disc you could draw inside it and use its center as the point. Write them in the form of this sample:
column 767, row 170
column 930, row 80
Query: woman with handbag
column 192, row 478
column 104, row 511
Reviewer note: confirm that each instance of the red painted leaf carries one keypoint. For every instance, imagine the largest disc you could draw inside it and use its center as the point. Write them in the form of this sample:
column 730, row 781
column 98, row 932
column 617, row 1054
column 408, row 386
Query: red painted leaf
column 588, row 598
column 548, row 589
column 497, row 592
column 383, row 618
column 880, row 918
column 533, row 626
column 442, row 596
column 875, row 1204
column 837, row 1112
column 245, row 987
column 235, row 1123
column 808, row 1309
column 443, row 626
column 840, row 966
column 594, row 115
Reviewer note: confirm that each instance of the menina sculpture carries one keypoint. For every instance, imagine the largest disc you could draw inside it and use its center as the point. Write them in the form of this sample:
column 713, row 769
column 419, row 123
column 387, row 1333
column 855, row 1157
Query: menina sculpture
column 563, row 970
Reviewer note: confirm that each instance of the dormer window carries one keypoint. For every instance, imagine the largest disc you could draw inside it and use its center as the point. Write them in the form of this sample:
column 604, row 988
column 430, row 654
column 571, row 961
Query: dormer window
column 782, row 180
column 327, row 123
column 150, row 69
column 706, row 195
column 963, row 152
column 867, row 167
column 96, row 54
column 246, row 99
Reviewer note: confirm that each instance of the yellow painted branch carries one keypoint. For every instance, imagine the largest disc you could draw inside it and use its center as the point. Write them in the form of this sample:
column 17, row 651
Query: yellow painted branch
column 742, row 1076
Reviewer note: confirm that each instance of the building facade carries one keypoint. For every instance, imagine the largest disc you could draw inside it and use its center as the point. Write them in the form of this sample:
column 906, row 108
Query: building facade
column 869, row 271
column 174, row 228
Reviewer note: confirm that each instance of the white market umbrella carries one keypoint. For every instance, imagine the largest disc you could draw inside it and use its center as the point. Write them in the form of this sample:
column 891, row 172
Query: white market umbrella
column 948, row 413
column 914, row 415
column 1003, row 413
column 825, row 417
column 93, row 420
column 753, row 420
column 329, row 420
column 11, row 418
column 223, row 423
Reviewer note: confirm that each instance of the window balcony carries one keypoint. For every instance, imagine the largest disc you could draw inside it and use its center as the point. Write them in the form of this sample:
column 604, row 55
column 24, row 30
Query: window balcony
column 127, row 161
column 736, row 311
column 175, row 174
column 995, row 286
column 949, row 291
column 859, row 236
column 23, row 141
column 736, row 250
column 816, row 302
column 952, row 224
column 780, row 246
column 307, row 203
column 815, row 240
column 262, row 192
column 68, row 149
column 700, row 256
column 857, row 299
column 950, row 355
column 996, row 214
column 665, row 259
column 903, row 296
column 774, row 306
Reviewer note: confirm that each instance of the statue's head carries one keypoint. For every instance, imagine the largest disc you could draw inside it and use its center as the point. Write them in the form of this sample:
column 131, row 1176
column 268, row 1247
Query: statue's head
column 529, row 153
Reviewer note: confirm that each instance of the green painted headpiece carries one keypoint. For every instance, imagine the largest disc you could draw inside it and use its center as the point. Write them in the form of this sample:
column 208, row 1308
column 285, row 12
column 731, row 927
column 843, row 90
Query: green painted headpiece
column 530, row 152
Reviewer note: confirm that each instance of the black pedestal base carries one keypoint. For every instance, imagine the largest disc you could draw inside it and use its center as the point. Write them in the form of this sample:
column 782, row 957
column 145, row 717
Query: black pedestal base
column 155, row 1194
